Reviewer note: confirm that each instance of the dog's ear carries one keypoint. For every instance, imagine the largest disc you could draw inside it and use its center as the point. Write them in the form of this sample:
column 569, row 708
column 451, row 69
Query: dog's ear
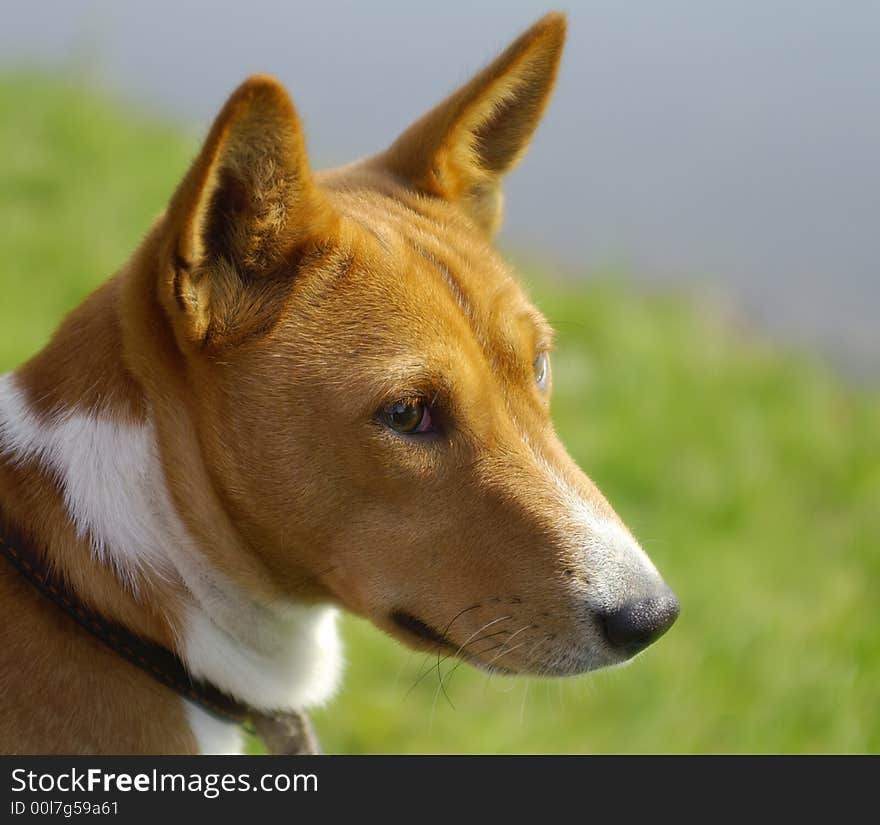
column 462, row 148
column 237, row 220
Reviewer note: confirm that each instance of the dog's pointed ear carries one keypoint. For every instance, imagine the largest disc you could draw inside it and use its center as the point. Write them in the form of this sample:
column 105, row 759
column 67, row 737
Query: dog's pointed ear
column 236, row 221
column 462, row 148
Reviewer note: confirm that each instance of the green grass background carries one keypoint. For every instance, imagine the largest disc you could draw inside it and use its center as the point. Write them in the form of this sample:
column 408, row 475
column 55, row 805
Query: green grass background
column 751, row 475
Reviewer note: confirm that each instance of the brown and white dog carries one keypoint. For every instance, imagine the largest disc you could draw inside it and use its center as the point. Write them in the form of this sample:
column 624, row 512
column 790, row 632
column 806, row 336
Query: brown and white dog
column 307, row 392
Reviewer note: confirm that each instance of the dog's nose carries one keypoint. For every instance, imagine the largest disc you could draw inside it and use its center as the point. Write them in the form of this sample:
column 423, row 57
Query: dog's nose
column 634, row 625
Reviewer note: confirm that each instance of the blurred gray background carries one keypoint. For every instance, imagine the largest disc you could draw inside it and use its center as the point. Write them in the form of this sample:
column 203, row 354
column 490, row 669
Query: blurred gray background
column 732, row 146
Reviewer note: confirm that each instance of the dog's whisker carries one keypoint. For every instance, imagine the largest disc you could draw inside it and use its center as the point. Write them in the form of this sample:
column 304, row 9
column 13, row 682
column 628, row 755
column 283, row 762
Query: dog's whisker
column 505, row 653
column 482, row 652
column 458, row 616
column 522, row 707
column 445, row 633
column 486, row 626
column 514, row 635
column 469, row 641
column 424, row 673
column 460, row 662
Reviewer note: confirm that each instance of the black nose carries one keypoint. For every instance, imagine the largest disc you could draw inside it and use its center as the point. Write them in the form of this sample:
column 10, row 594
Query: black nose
column 634, row 625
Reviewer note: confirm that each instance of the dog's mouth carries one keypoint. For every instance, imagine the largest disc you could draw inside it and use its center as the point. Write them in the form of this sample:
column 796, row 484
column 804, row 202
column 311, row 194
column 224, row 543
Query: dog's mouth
column 413, row 626
column 416, row 627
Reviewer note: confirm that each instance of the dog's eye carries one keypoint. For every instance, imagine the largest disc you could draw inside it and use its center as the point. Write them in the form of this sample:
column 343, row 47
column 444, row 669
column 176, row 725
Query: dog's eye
column 542, row 370
column 409, row 417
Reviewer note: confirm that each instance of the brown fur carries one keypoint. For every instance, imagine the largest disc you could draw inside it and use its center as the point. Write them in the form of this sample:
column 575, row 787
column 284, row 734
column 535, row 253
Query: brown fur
column 267, row 317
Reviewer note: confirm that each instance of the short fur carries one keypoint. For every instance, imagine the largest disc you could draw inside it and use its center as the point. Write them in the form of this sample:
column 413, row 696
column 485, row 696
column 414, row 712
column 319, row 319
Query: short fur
column 199, row 454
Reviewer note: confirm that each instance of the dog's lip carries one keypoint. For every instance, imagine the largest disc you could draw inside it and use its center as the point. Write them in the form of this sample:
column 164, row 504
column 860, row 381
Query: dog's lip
column 421, row 630
column 416, row 627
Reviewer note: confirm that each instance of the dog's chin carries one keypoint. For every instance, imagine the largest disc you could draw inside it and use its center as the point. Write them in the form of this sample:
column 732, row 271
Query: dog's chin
column 584, row 656
column 560, row 664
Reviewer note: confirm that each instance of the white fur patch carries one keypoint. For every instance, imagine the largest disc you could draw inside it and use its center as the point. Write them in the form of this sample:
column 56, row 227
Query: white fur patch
column 213, row 735
column 296, row 665
column 274, row 657
column 618, row 570
column 114, row 491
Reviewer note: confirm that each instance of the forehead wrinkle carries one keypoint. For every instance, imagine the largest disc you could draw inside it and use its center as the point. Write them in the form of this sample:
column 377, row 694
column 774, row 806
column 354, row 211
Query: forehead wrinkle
column 444, row 236
column 439, row 258
column 380, row 230
column 492, row 311
column 373, row 206
column 442, row 230
column 448, row 277
column 435, row 235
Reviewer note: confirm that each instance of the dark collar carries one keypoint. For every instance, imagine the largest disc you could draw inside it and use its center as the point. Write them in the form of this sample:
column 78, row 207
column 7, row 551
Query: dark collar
column 158, row 661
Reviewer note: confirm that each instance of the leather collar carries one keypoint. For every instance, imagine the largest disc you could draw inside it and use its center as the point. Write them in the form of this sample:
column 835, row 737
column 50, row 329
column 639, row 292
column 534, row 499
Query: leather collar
column 289, row 733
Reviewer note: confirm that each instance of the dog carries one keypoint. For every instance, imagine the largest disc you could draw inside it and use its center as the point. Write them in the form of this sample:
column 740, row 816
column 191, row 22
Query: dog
column 304, row 392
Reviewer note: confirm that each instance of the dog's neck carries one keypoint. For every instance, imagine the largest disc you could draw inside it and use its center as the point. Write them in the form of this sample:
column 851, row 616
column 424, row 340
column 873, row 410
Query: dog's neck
column 83, row 472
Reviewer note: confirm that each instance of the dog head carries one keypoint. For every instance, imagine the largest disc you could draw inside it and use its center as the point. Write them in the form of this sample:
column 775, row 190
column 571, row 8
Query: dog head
column 372, row 389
